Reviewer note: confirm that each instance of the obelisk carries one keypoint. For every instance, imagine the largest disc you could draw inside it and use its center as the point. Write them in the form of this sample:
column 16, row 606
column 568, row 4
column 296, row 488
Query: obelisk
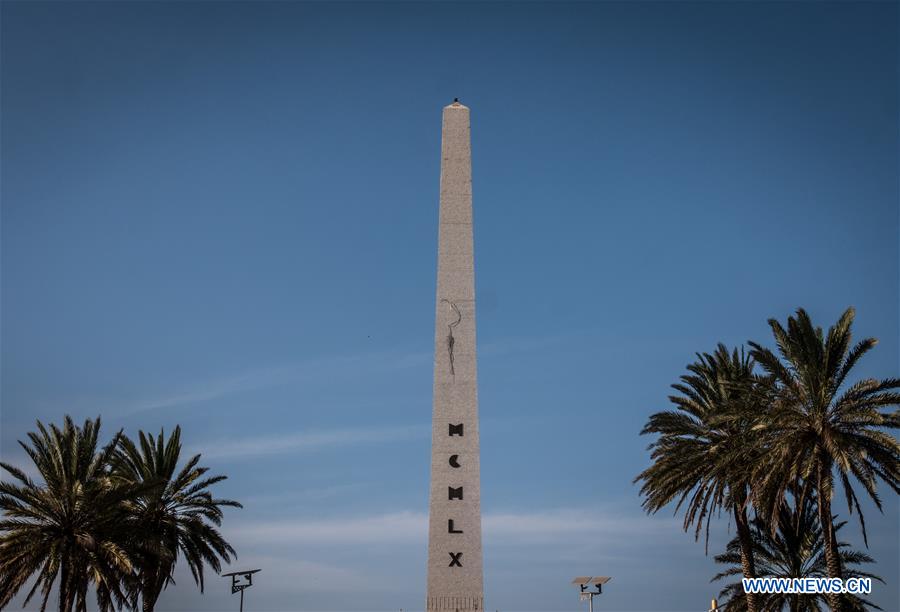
column 455, row 578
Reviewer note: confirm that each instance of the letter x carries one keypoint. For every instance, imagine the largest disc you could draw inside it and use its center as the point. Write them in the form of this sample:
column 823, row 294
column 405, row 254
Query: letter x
column 454, row 560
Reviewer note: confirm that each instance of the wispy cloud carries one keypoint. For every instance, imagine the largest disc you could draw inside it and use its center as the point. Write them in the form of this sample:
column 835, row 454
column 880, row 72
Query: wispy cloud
column 398, row 527
column 330, row 368
column 563, row 522
column 307, row 576
column 313, row 494
column 409, row 526
column 315, row 369
column 306, row 442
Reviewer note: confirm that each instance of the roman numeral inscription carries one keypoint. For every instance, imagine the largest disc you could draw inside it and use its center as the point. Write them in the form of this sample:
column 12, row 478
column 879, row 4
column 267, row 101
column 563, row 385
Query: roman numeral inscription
column 454, row 521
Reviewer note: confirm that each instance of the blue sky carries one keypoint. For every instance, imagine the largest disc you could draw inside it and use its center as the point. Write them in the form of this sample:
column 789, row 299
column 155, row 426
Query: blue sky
column 224, row 215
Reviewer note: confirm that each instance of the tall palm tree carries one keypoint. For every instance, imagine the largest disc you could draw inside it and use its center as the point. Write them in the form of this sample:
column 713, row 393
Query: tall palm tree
column 67, row 530
column 820, row 428
column 175, row 514
column 795, row 550
column 705, row 448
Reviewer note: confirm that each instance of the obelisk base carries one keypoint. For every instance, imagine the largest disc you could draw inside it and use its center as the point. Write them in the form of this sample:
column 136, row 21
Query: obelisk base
column 455, row 604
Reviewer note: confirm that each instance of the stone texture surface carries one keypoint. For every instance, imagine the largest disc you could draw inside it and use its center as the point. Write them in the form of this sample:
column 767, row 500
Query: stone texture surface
column 451, row 587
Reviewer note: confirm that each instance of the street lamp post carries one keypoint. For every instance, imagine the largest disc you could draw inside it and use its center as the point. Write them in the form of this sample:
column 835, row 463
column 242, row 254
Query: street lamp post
column 237, row 585
column 585, row 582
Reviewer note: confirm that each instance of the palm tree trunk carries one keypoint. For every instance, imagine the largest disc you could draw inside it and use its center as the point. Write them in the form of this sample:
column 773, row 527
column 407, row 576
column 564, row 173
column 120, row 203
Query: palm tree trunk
column 148, row 601
column 63, row 584
column 794, row 600
column 66, row 593
column 832, row 557
column 747, row 564
column 149, row 592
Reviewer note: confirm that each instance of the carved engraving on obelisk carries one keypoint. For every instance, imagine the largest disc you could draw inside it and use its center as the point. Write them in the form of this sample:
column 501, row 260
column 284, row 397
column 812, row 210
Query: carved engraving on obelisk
column 450, row 339
column 455, row 579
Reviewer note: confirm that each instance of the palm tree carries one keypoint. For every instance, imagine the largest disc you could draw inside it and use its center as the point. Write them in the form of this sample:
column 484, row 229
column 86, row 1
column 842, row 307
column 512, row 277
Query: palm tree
column 705, row 449
column 795, row 550
column 818, row 427
column 68, row 528
column 174, row 514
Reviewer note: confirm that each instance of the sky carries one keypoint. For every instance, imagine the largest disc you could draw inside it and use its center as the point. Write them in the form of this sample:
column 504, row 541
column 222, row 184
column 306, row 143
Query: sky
column 224, row 216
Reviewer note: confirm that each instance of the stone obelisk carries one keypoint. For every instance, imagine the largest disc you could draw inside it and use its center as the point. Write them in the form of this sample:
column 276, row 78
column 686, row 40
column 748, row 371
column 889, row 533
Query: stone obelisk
column 455, row 578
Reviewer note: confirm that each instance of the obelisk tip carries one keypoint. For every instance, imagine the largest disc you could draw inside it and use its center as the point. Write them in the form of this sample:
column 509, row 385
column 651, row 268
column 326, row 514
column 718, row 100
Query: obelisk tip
column 457, row 105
